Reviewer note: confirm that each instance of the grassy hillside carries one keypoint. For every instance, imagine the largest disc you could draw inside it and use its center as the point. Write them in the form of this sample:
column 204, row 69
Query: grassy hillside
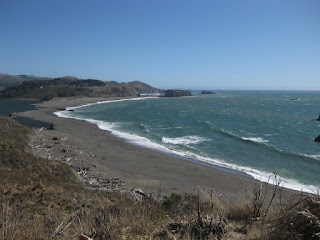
column 71, row 86
column 37, row 196
column 7, row 80
column 42, row 199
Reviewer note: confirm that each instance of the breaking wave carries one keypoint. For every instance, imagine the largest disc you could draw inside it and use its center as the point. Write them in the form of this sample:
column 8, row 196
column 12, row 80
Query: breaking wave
column 184, row 140
column 195, row 139
column 255, row 139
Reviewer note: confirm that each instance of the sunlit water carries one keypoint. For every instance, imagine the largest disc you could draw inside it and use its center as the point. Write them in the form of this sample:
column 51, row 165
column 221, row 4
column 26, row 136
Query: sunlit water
column 257, row 132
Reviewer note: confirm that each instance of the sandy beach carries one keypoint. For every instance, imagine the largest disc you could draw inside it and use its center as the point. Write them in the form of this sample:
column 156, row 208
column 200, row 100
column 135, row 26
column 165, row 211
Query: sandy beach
column 101, row 155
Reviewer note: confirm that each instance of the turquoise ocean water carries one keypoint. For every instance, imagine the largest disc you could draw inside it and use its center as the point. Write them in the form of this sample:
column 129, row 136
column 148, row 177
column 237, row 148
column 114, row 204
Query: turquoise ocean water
column 256, row 132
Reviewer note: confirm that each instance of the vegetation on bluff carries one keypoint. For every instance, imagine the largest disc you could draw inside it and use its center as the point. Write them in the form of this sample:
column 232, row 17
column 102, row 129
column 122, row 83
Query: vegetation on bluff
column 70, row 86
column 7, row 80
column 43, row 199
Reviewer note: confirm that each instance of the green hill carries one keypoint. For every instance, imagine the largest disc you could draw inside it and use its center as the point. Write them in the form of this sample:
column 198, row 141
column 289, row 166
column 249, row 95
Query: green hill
column 7, row 80
column 70, row 86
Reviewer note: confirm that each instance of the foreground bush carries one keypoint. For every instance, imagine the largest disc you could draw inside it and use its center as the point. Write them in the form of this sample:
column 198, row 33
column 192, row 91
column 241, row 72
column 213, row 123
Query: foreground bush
column 41, row 199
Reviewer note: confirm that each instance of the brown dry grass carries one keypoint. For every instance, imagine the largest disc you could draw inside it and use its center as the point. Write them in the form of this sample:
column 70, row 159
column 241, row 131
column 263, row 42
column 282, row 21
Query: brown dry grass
column 41, row 199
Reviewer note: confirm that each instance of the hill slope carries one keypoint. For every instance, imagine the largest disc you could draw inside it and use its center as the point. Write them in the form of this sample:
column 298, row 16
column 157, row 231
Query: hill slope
column 71, row 86
column 38, row 195
column 7, row 80
column 43, row 199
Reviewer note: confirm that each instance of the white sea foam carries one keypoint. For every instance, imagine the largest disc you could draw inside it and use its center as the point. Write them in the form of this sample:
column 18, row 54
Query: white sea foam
column 269, row 134
column 184, row 140
column 255, row 139
column 315, row 156
column 131, row 138
column 261, row 175
column 108, row 101
column 144, row 142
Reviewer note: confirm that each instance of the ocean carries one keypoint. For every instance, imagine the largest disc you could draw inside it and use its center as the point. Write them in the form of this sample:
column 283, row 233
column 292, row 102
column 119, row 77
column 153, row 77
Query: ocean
column 257, row 133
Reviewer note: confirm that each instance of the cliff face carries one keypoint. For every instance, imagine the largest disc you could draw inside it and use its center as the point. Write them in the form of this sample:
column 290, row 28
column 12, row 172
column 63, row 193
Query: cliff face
column 178, row 93
column 137, row 87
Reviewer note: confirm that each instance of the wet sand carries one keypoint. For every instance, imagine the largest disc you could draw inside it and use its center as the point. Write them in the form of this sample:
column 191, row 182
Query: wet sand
column 136, row 167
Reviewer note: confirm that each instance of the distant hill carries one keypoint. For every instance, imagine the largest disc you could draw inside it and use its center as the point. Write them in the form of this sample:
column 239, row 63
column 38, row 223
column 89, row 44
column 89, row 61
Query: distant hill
column 71, row 86
column 7, row 80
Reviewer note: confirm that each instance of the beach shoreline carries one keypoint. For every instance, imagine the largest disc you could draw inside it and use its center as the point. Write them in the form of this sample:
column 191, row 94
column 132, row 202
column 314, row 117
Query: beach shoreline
column 133, row 166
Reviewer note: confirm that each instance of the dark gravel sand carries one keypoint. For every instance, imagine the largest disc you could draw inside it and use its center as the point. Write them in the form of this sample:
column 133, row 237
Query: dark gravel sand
column 137, row 167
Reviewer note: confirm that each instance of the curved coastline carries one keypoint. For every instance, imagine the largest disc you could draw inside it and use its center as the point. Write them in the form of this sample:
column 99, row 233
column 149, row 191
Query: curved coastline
column 138, row 166
column 205, row 161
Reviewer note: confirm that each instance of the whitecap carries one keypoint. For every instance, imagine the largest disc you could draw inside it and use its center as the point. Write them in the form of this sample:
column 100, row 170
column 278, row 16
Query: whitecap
column 165, row 128
column 144, row 142
column 255, row 139
column 315, row 156
column 184, row 140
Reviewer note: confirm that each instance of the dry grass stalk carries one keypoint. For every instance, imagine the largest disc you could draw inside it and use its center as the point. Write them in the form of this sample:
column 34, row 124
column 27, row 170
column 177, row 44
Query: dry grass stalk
column 44, row 199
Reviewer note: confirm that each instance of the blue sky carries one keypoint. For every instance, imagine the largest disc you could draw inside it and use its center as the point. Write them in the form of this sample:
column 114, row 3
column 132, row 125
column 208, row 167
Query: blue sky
column 205, row 44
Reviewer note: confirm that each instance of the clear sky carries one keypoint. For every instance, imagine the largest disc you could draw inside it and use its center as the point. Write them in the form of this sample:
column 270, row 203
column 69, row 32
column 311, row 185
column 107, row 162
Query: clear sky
column 198, row 44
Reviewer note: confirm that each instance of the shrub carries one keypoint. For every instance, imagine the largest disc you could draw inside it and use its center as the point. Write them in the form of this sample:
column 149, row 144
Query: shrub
column 172, row 202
